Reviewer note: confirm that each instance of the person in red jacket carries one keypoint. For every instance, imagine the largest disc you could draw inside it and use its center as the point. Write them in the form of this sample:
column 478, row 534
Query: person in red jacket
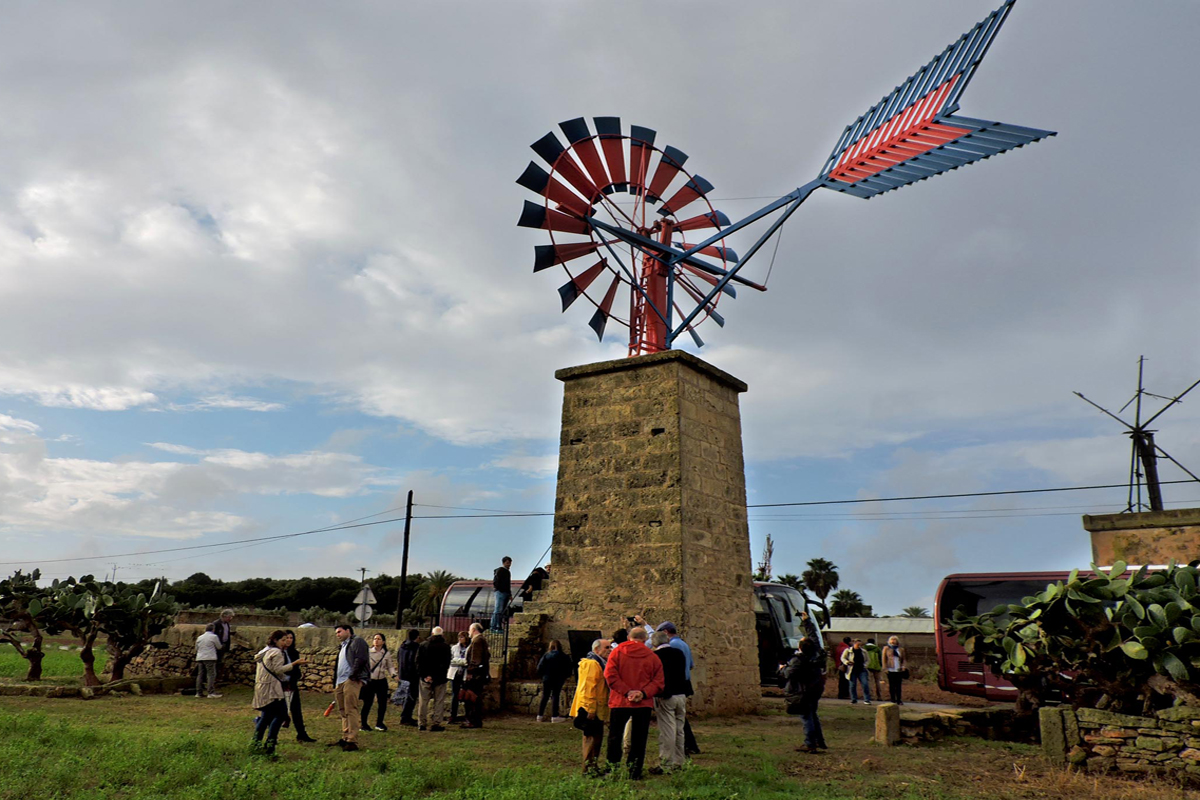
column 634, row 675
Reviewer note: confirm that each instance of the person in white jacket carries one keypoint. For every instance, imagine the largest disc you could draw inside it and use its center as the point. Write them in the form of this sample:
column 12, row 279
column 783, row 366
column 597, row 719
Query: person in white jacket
column 207, row 644
column 457, row 672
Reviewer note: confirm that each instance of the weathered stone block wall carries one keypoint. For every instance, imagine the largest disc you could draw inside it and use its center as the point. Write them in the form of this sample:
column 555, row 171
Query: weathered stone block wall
column 1167, row 743
column 319, row 645
column 1150, row 537
column 650, row 515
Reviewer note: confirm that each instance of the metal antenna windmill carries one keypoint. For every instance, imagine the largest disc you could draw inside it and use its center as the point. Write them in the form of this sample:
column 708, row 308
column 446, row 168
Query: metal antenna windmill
column 609, row 247
column 1144, row 455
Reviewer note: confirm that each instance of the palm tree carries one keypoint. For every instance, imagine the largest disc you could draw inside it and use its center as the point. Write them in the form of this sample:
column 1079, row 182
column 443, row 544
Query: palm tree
column 428, row 599
column 849, row 604
column 791, row 580
column 821, row 578
column 915, row 611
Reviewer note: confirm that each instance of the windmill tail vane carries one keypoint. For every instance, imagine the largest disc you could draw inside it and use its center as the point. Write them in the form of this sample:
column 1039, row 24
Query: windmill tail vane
column 597, row 196
column 913, row 133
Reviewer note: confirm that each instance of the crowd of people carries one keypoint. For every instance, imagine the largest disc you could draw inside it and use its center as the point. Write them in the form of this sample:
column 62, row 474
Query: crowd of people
column 858, row 661
column 639, row 671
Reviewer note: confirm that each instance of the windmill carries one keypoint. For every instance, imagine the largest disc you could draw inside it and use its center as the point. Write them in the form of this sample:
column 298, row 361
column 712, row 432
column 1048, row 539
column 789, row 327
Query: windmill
column 596, row 200
column 1145, row 452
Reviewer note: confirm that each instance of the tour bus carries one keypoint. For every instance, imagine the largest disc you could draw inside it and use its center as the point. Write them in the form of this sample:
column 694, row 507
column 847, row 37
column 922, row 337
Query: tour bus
column 777, row 610
column 470, row 601
column 976, row 593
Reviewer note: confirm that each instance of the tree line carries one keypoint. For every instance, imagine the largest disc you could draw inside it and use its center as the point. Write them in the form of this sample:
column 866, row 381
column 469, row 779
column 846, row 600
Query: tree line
column 821, row 580
column 126, row 616
column 334, row 595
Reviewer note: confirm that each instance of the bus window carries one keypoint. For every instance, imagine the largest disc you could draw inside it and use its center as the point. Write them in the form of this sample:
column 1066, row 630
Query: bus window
column 787, row 603
column 457, row 601
column 976, row 598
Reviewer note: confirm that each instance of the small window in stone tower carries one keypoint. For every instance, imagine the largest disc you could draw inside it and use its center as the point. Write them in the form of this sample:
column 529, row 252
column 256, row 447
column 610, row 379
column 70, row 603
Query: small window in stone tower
column 657, row 431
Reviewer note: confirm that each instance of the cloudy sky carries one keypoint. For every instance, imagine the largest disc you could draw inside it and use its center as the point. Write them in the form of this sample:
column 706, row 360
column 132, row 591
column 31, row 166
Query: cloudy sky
column 260, row 273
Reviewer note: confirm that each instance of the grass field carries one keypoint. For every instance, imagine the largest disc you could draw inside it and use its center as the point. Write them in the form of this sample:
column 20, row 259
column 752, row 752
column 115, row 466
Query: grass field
column 157, row 747
column 57, row 663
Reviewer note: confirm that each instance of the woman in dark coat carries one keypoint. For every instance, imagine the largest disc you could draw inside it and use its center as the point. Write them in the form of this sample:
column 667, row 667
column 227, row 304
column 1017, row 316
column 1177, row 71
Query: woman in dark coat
column 291, row 654
column 554, row 669
column 408, row 672
column 805, row 685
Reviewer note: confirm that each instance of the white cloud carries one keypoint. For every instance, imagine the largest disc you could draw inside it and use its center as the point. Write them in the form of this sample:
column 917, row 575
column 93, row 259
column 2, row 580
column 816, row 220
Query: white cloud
column 537, row 466
column 227, row 402
column 161, row 498
column 14, row 424
column 95, row 398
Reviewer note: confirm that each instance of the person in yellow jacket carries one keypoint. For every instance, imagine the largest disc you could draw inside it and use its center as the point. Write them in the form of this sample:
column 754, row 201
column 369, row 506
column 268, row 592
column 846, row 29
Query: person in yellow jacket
column 590, row 704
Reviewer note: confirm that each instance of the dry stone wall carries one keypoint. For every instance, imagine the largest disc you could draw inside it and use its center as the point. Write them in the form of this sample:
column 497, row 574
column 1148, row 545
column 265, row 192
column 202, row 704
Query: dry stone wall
column 1101, row 741
column 650, row 515
column 319, row 645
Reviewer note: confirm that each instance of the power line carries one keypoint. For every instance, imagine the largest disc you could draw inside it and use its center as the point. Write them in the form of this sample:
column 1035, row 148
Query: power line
column 950, row 496
column 486, row 516
column 356, row 523
column 468, row 508
column 337, row 527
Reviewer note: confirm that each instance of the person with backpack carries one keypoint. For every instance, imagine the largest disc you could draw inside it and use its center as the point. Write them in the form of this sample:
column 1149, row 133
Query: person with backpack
column 554, row 668
column 805, row 683
column 874, row 665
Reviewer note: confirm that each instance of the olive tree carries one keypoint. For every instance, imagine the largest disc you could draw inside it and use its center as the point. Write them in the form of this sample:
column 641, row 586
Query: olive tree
column 1130, row 642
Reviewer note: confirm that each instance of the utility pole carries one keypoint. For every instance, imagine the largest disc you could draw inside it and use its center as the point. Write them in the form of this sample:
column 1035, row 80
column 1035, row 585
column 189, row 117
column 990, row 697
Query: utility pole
column 363, row 578
column 402, row 600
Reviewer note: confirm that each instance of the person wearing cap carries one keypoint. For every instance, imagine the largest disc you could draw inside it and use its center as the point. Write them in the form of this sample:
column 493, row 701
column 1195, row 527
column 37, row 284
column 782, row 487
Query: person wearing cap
column 670, row 704
column 690, row 747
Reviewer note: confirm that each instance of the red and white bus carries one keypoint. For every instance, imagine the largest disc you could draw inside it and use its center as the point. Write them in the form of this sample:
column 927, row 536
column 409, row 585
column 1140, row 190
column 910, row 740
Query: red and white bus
column 976, row 593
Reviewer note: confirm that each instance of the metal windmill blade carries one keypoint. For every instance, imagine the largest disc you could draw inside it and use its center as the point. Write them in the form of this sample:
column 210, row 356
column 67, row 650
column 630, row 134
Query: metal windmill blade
column 673, row 283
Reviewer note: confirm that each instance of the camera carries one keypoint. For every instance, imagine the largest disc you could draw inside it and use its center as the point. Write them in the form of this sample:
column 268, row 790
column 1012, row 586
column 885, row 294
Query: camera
column 631, row 620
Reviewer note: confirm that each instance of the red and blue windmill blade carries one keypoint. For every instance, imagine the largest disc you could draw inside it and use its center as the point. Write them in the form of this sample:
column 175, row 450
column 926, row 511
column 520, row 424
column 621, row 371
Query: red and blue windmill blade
column 911, row 134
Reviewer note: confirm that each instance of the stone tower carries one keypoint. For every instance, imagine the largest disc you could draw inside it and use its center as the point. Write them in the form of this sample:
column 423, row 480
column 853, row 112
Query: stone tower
column 650, row 515
column 1146, row 537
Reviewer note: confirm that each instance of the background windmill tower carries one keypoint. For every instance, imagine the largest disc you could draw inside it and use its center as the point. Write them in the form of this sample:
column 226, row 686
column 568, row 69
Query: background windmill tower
column 1146, row 533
